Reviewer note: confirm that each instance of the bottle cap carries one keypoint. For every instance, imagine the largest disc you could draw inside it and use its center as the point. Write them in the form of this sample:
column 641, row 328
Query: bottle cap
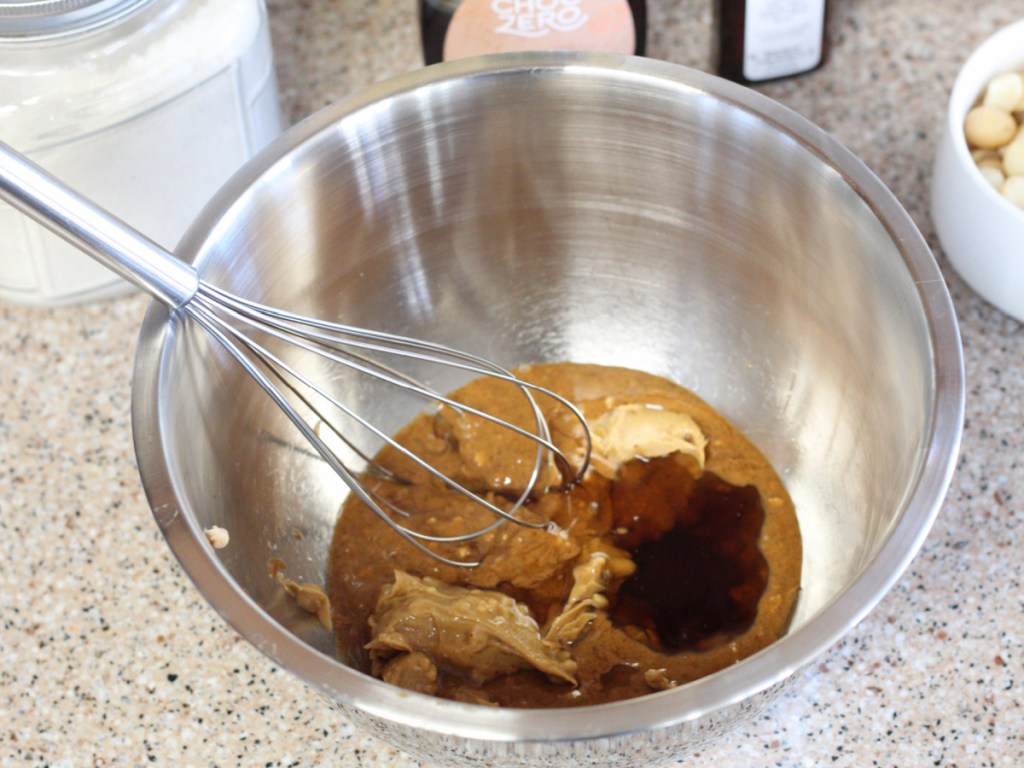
column 50, row 18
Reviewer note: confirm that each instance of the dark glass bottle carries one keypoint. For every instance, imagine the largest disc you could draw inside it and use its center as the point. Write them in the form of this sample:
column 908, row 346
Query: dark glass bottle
column 760, row 40
column 456, row 28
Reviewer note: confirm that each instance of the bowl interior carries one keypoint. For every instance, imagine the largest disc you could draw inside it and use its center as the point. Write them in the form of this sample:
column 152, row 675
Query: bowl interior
column 635, row 214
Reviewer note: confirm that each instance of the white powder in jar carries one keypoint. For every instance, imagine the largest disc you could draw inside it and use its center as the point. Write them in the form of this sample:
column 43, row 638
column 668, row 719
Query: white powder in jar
column 146, row 116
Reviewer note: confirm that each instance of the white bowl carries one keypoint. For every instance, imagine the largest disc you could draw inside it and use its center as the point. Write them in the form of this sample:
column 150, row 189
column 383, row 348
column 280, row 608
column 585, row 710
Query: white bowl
column 981, row 232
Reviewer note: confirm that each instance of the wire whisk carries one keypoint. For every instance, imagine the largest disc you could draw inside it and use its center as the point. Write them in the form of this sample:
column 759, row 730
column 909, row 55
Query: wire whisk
column 239, row 326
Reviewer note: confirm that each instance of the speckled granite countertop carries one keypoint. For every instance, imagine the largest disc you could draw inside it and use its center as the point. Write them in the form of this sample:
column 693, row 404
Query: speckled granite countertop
column 108, row 656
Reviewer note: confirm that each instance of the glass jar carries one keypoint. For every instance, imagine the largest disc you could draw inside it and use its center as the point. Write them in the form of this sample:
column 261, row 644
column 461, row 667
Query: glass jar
column 143, row 106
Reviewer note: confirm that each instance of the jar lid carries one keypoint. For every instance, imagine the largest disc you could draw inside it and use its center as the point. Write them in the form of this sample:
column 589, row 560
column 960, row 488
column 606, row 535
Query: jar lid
column 45, row 18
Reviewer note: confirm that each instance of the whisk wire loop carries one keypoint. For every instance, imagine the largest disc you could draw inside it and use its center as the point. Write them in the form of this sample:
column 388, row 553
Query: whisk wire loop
column 213, row 308
column 335, row 336
column 213, row 325
column 280, row 367
column 177, row 284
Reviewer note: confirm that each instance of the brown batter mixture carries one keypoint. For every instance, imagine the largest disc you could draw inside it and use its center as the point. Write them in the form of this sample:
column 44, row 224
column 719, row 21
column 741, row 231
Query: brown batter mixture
column 661, row 570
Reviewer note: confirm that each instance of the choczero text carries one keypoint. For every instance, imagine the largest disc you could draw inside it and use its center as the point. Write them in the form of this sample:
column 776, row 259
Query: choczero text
column 536, row 18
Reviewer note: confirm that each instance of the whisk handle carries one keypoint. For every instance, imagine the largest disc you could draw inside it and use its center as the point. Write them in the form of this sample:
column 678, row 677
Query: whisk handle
column 96, row 232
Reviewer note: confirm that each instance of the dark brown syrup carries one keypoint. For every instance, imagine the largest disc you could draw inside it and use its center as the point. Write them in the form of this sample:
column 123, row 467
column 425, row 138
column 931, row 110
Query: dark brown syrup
column 700, row 573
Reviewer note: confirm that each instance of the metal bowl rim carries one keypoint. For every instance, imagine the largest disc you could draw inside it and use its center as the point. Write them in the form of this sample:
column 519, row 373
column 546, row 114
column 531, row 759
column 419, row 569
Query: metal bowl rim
column 689, row 702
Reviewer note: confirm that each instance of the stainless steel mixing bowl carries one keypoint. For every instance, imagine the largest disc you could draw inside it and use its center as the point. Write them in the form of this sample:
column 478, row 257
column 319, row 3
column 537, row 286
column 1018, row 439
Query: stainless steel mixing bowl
column 567, row 207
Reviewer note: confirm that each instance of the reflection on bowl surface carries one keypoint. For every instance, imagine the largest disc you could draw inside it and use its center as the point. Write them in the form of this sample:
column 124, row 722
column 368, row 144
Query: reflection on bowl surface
column 539, row 208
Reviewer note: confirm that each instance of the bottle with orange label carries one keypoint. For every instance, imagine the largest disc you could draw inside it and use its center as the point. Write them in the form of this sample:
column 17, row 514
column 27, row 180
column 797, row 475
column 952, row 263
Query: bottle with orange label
column 454, row 29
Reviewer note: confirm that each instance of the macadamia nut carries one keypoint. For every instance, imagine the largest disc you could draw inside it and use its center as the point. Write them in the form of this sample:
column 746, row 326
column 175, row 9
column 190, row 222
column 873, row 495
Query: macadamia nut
column 1004, row 92
column 1013, row 190
column 989, row 127
column 1013, row 157
column 993, row 176
column 994, row 129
